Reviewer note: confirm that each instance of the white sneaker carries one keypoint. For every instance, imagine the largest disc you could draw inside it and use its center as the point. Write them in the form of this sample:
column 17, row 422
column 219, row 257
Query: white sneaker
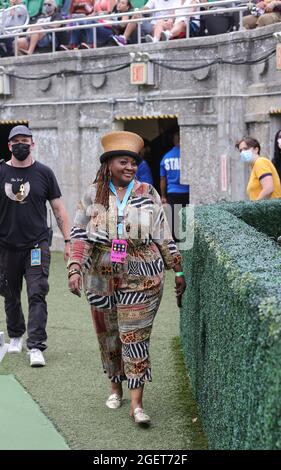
column 149, row 38
column 36, row 358
column 15, row 345
column 165, row 35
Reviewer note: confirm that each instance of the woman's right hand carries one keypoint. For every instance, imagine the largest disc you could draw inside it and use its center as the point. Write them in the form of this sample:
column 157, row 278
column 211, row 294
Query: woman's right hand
column 75, row 284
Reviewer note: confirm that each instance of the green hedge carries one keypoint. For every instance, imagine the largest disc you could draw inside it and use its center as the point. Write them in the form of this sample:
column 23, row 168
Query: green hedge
column 231, row 323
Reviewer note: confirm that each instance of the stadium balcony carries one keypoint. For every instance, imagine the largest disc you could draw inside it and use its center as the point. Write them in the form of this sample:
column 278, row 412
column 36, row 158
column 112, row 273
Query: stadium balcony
column 216, row 88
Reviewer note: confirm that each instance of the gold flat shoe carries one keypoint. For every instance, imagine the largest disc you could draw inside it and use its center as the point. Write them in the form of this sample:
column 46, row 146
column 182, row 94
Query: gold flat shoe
column 114, row 401
column 140, row 417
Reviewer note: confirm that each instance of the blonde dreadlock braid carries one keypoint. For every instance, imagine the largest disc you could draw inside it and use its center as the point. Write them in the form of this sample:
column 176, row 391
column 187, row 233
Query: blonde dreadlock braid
column 102, row 179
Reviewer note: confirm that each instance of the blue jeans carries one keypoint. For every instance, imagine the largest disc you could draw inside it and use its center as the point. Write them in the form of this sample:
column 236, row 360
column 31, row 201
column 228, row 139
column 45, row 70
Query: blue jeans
column 103, row 34
column 65, row 8
column 45, row 41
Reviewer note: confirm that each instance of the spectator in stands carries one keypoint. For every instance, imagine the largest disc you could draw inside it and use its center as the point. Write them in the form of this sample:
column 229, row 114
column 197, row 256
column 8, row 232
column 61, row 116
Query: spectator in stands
column 161, row 27
column 263, row 14
column 179, row 26
column 10, row 19
column 172, row 191
column 264, row 182
column 34, row 8
column 143, row 173
column 122, row 6
column 78, row 9
column 41, row 38
column 101, row 7
column 277, row 153
column 151, row 29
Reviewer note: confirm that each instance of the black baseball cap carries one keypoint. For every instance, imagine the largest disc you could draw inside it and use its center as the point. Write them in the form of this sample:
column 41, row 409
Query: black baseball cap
column 19, row 130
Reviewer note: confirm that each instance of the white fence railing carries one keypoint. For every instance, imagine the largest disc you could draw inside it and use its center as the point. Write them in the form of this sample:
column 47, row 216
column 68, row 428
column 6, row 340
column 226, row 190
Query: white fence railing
column 217, row 8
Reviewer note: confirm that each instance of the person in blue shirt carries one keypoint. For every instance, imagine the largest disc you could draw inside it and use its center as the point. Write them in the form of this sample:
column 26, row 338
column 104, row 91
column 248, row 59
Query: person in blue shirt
column 144, row 174
column 172, row 191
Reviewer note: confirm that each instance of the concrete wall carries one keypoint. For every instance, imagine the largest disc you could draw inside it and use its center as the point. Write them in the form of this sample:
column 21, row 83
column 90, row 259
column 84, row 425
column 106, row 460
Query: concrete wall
column 215, row 106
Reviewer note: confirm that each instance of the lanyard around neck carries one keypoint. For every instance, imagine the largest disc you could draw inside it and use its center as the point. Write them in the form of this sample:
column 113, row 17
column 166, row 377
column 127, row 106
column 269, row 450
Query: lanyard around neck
column 121, row 205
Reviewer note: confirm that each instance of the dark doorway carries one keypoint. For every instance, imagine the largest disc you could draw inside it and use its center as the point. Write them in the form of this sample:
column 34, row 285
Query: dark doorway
column 5, row 128
column 158, row 132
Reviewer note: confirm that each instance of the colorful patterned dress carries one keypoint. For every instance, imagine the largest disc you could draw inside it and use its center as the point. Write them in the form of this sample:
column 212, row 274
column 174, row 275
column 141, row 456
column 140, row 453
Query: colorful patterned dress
column 124, row 298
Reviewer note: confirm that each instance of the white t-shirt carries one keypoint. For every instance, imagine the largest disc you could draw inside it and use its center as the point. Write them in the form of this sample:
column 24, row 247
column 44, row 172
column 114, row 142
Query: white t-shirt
column 162, row 4
column 45, row 19
column 184, row 12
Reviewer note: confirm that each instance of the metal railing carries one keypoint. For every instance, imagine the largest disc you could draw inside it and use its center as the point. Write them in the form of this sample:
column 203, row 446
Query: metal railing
column 112, row 19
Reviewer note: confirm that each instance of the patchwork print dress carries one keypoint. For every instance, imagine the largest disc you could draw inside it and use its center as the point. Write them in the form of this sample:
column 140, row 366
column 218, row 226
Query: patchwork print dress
column 124, row 298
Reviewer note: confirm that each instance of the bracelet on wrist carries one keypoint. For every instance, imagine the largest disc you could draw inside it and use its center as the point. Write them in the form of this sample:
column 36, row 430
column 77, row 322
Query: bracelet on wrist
column 74, row 271
column 67, row 241
column 179, row 274
column 72, row 263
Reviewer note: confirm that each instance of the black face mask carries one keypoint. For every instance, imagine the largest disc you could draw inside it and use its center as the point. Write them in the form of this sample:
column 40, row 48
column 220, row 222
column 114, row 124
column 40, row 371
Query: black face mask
column 21, row 151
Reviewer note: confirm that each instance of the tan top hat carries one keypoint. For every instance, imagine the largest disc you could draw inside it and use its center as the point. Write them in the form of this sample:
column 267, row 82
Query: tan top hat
column 121, row 143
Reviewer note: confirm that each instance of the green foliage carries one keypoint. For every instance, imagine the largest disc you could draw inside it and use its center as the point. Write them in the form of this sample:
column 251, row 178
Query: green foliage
column 231, row 323
column 186, row 404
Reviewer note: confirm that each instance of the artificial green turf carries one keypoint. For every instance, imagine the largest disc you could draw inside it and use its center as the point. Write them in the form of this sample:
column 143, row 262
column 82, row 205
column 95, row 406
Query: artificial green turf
column 23, row 425
column 72, row 388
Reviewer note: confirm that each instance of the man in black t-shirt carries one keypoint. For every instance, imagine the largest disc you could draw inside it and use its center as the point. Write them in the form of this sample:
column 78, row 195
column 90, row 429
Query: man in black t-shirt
column 41, row 39
column 25, row 187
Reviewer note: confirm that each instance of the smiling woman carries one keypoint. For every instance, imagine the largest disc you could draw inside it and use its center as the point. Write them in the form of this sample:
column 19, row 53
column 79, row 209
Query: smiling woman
column 121, row 245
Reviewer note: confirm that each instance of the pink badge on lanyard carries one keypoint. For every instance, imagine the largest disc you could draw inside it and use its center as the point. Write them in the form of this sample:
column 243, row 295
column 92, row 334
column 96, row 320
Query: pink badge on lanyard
column 118, row 251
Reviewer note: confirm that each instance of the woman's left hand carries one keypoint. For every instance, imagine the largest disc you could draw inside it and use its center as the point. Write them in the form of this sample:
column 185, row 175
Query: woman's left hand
column 179, row 289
